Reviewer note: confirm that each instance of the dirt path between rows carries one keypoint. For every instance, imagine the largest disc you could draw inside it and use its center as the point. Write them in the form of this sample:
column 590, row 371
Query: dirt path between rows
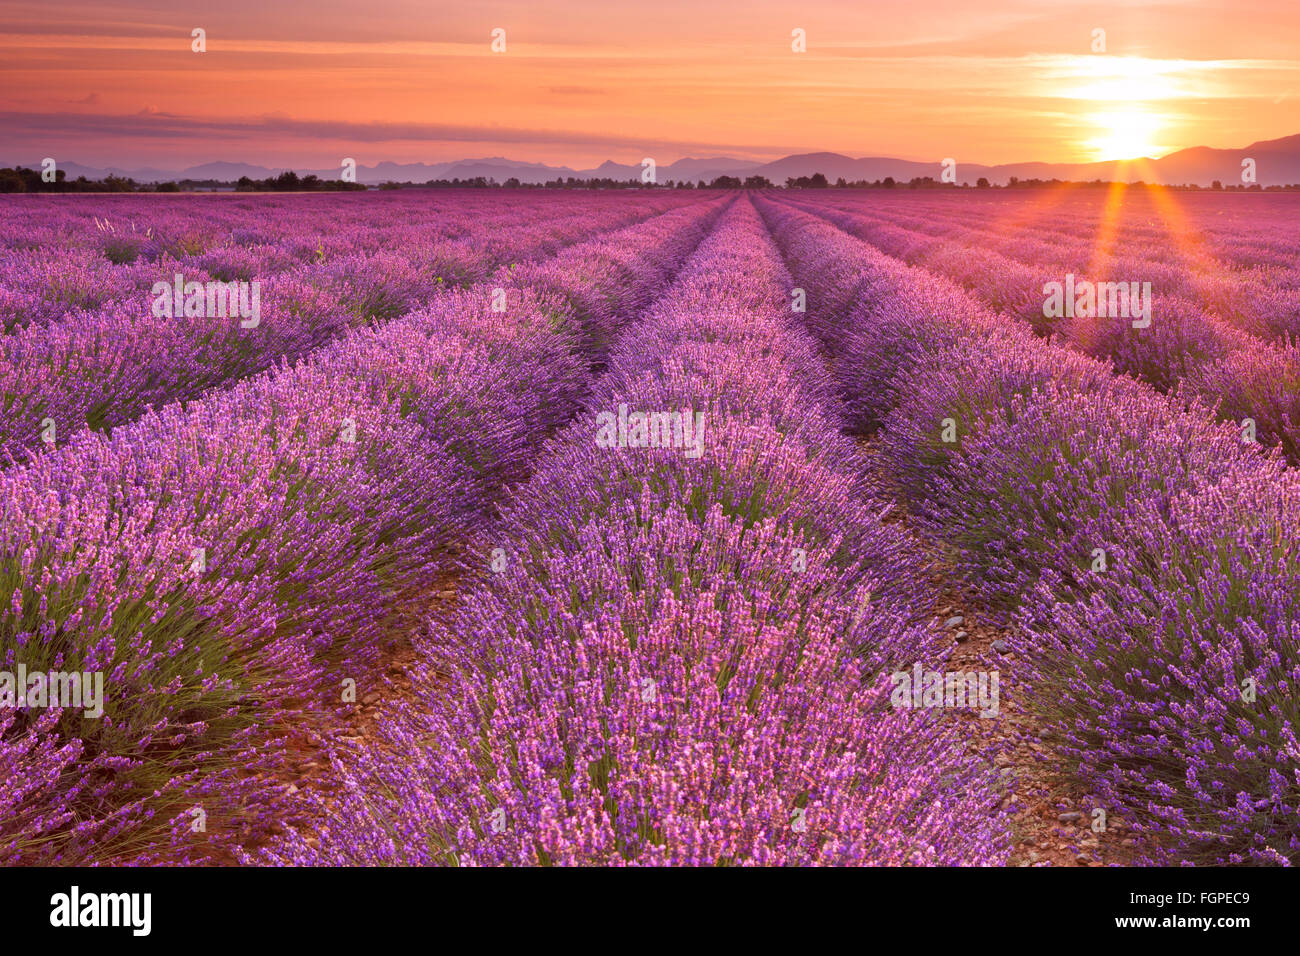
column 307, row 769
column 1050, row 826
column 306, row 773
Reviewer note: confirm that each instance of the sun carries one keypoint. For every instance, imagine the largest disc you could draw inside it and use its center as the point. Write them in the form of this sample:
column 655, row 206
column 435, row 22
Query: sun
column 1128, row 96
column 1125, row 132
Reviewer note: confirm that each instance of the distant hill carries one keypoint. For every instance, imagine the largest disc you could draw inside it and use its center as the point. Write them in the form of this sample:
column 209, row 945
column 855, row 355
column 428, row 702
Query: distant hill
column 1277, row 163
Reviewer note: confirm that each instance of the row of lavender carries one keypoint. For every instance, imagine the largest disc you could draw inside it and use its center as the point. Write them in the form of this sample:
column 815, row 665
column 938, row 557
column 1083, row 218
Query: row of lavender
column 679, row 657
column 1261, row 302
column 1245, row 233
column 1146, row 554
column 100, row 366
column 131, row 227
column 60, row 266
column 1185, row 347
column 227, row 564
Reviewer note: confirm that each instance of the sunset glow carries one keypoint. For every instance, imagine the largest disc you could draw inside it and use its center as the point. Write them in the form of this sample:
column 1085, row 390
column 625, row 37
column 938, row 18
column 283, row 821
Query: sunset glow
column 1124, row 133
column 701, row 433
column 587, row 81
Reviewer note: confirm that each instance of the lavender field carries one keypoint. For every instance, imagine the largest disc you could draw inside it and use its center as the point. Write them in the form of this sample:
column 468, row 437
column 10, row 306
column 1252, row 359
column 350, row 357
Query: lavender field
column 651, row 527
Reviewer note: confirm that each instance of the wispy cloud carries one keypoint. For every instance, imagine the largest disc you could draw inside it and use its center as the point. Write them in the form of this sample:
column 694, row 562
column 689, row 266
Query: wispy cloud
column 994, row 80
column 152, row 123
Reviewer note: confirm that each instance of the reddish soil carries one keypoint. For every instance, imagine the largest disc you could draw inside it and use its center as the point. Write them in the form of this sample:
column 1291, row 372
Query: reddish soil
column 1038, row 796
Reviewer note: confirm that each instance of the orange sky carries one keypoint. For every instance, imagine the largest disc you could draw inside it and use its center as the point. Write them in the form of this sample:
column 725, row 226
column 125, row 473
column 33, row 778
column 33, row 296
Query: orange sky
column 583, row 81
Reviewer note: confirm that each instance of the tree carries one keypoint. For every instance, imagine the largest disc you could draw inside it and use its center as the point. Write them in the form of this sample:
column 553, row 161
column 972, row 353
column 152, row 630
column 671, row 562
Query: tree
column 11, row 182
column 757, row 182
column 1216, row 185
column 981, row 183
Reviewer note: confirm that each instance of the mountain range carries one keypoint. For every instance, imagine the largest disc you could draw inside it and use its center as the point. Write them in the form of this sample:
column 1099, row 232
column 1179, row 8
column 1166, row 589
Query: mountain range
column 1277, row 162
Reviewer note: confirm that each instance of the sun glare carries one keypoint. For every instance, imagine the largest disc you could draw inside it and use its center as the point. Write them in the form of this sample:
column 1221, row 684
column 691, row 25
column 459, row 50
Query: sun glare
column 1126, row 132
column 1126, row 93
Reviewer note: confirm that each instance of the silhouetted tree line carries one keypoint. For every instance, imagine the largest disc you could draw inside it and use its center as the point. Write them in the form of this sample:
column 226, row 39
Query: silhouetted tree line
column 289, row 182
column 23, row 180
column 572, row 182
